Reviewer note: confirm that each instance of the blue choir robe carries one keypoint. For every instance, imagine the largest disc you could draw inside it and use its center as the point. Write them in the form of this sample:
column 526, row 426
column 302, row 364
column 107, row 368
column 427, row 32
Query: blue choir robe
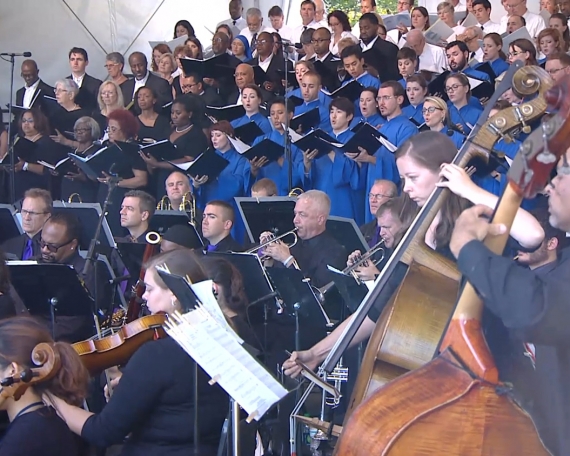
column 467, row 116
column 376, row 120
column 280, row 174
column 234, row 180
column 397, row 131
column 325, row 123
column 499, row 66
column 474, row 73
column 457, row 138
column 402, row 82
column 366, row 80
column 415, row 113
column 261, row 121
column 339, row 179
column 323, row 97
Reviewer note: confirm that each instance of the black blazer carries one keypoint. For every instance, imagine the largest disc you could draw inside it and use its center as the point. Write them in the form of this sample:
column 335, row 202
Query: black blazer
column 17, row 245
column 160, row 86
column 329, row 76
column 211, row 97
column 227, row 244
column 87, row 96
column 39, row 102
column 275, row 71
column 383, row 57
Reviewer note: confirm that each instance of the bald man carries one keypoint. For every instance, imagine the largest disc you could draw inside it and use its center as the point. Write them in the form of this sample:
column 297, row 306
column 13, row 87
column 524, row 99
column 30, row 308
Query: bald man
column 144, row 78
column 432, row 58
column 244, row 75
column 471, row 37
column 31, row 95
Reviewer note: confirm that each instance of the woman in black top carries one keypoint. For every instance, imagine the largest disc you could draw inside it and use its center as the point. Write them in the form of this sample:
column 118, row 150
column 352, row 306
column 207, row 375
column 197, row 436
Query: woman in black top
column 35, row 429
column 188, row 137
column 153, row 401
column 152, row 125
column 86, row 131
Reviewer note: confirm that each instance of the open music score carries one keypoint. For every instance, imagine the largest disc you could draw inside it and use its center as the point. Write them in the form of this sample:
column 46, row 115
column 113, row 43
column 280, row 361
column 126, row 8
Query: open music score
column 224, row 359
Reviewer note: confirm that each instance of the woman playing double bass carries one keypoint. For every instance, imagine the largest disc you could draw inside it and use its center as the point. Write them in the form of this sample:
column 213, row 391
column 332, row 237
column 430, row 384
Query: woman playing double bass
column 422, row 162
column 153, row 401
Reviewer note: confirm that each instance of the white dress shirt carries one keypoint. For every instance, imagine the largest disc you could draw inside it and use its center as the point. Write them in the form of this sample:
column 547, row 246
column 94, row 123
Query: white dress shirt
column 29, row 94
column 490, row 27
column 534, row 23
column 334, row 47
column 285, row 32
column 265, row 64
column 235, row 25
column 433, row 59
column 365, row 47
column 460, row 7
column 297, row 31
column 248, row 34
column 140, row 83
column 78, row 80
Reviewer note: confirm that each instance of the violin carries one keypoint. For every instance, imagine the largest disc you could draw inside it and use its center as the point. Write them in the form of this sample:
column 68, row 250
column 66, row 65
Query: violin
column 48, row 361
column 116, row 349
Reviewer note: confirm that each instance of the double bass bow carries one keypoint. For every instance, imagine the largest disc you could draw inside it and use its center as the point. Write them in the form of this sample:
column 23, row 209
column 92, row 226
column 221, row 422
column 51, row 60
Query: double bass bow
column 453, row 404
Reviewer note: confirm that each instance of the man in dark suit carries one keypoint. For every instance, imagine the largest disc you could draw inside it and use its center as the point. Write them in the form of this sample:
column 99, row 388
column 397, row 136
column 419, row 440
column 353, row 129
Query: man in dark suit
column 217, row 224
column 244, row 76
column 88, row 85
column 326, row 63
column 381, row 191
column 31, row 95
column 271, row 64
column 144, row 78
column 193, row 83
column 36, row 210
column 378, row 53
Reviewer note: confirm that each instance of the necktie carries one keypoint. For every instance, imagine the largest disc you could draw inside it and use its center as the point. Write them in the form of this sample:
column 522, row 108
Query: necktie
column 253, row 43
column 28, row 251
column 482, row 28
column 211, row 248
column 472, row 56
column 234, row 22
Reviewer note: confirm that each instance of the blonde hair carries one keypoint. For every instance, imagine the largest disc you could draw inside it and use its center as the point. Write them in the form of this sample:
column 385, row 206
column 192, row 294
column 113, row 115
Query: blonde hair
column 440, row 104
column 120, row 104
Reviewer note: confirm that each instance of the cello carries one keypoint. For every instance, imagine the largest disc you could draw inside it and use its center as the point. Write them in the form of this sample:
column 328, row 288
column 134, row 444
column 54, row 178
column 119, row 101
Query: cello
column 411, row 326
column 455, row 401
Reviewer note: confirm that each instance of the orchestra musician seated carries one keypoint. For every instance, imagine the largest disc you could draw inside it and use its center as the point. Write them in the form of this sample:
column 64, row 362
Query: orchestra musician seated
column 177, row 185
column 36, row 209
column 137, row 209
column 153, row 399
column 179, row 237
column 381, row 191
column 36, row 428
column 263, row 188
column 217, row 223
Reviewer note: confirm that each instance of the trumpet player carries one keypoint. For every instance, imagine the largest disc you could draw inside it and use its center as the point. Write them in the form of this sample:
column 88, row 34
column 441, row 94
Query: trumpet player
column 315, row 248
column 381, row 191
column 137, row 209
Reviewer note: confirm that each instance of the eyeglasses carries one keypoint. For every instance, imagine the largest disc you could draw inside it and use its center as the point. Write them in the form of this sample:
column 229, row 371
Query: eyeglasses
column 110, row 65
column 556, row 70
column 384, row 98
column 515, row 53
column 264, row 41
column 81, row 130
column 453, row 87
column 53, row 248
column 25, row 212
column 377, row 196
column 431, row 110
column 59, row 90
column 107, row 94
column 188, row 86
column 30, row 121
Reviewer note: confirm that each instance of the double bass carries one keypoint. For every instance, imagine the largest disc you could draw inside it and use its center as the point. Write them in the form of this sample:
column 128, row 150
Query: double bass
column 455, row 404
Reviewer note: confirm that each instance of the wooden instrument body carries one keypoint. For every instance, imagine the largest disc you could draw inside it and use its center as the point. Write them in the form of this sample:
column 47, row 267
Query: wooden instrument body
column 116, row 349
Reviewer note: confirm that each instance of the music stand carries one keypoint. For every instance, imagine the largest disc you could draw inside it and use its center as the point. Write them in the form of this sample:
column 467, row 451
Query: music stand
column 132, row 255
column 161, row 221
column 266, row 214
column 10, row 226
column 88, row 215
column 347, row 233
column 51, row 290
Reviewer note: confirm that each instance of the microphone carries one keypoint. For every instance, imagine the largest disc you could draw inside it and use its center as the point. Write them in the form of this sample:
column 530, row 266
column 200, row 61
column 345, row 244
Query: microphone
column 16, row 54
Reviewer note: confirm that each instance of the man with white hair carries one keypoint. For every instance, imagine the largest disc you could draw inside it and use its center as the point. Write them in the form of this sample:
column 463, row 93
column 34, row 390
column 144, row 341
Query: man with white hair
column 534, row 22
column 316, row 248
column 431, row 58
column 254, row 27
column 320, row 14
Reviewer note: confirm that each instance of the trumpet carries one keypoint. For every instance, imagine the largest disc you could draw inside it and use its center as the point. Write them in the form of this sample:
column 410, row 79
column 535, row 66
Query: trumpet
column 164, row 204
column 74, row 195
column 153, row 238
column 295, row 192
column 274, row 239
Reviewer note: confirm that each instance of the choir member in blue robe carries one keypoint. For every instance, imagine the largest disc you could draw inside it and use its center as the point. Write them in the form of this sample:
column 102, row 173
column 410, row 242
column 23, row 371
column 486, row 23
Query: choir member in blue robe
column 353, row 62
column 460, row 111
column 407, row 64
column 280, row 112
column 301, row 67
column 416, row 90
column 310, row 89
column 251, row 99
column 493, row 55
column 398, row 128
column 457, row 54
column 334, row 173
column 234, row 180
column 436, row 117
column 369, row 109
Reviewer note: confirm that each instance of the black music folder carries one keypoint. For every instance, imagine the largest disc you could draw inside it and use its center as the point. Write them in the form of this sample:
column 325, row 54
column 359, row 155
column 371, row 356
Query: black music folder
column 480, row 89
column 162, row 221
column 180, row 288
column 347, row 233
column 273, row 214
column 437, row 86
column 266, row 148
column 214, row 67
column 248, row 132
column 25, row 149
column 308, row 120
column 295, row 100
column 132, row 255
column 229, row 113
column 351, row 91
column 62, row 167
column 421, row 126
column 319, row 140
column 259, row 75
column 486, row 68
column 208, row 163
column 291, row 78
column 114, row 156
column 9, row 225
column 365, row 136
column 161, row 150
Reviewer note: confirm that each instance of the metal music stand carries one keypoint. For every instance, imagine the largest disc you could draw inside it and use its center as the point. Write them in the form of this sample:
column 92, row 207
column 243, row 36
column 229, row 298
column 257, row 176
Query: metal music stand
column 347, row 233
column 266, row 214
column 10, row 226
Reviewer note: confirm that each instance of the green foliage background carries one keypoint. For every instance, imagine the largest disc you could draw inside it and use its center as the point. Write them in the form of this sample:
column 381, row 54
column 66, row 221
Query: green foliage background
column 352, row 7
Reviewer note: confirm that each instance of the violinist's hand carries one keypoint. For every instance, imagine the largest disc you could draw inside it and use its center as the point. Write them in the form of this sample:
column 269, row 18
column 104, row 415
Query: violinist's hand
column 458, row 181
column 114, row 382
column 256, row 164
column 199, row 180
column 473, row 224
column 307, row 357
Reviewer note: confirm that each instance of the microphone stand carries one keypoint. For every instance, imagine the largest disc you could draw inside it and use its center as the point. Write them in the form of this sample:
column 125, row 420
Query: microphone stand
column 288, row 154
column 10, row 140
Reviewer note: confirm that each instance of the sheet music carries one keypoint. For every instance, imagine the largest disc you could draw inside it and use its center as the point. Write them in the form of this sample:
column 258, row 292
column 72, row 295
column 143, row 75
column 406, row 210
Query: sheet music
column 239, row 145
column 226, row 361
column 438, row 33
column 392, row 22
column 171, row 44
column 470, row 21
column 387, row 144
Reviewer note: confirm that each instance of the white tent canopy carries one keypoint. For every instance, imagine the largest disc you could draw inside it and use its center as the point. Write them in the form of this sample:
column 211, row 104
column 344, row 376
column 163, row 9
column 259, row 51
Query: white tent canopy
column 49, row 28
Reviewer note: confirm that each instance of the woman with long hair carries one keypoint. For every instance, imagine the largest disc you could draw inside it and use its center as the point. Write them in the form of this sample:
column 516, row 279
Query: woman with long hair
column 109, row 98
column 560, row 23
column 340, row 28
column 157, row 52
column 493, row 54
column 183, row 27
column 369, row 109
column 153, row 401
column 34, row 427
column 524, row 51
column 549, row 42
